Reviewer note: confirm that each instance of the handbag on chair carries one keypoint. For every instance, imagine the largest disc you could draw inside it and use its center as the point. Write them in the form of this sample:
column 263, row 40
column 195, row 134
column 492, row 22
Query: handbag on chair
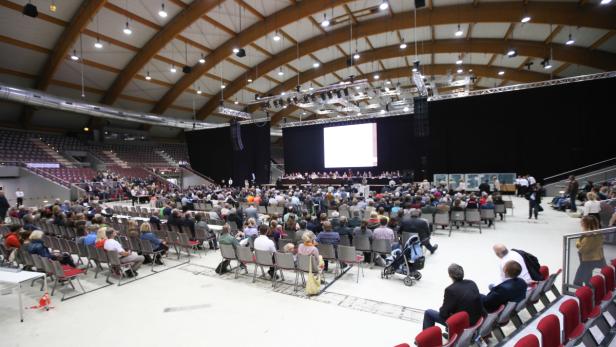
column 313, row 283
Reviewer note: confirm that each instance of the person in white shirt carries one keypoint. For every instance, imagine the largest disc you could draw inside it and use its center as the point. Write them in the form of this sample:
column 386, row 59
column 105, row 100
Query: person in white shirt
column 504, row 256
column 496, row 184
column 592, row 206
column 264, row 243
column 20, row 197
column 111, row 244
column 531, row 180
column 523, row 186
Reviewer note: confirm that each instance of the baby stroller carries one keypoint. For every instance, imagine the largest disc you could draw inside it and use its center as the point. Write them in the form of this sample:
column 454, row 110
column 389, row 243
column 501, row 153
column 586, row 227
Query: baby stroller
column 406, row 261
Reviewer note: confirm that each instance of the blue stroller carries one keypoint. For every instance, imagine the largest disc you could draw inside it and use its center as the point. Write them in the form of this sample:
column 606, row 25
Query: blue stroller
column 406, row 261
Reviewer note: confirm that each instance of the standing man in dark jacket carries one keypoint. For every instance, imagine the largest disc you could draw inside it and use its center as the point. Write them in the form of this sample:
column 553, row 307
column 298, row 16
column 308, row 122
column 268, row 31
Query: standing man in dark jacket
column 419, row 226
column 4, row 207
column 512, row 289
column 572, row 189
column 461, row 295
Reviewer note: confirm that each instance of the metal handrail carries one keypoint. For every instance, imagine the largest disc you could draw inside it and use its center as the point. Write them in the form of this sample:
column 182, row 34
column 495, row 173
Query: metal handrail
column 579, row 168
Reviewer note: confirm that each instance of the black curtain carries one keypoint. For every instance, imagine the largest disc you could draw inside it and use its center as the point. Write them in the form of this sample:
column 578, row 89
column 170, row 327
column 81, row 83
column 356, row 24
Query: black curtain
column 541, row 131
column 211, row 153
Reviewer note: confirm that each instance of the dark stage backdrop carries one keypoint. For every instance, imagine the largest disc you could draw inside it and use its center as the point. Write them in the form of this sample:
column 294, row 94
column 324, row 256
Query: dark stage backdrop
column 211, row 153
column 542, row 131
column 397, row 148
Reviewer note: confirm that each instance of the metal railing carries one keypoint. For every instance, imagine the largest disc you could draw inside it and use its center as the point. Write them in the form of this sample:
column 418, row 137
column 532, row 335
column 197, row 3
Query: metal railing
column 584, row 254
column 576, row 170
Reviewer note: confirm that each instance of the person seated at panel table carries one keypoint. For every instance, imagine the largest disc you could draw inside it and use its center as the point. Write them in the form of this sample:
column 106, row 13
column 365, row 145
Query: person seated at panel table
column 461, row 295
column 513, row 288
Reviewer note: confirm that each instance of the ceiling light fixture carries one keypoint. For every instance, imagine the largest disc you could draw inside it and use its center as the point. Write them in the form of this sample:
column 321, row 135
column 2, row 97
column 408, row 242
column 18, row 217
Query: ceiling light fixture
column 280, row 72
column 250, row 80
column 325, row 22
column 199, row 90
column 236, row 50
column 147, row 76
column 127, row 30
column 223, row 86
column 605, row 2
column 316, row 64
column 512, row 53
column 356, row 56
column 162, row 13
column 525, row 19
column 501, row 72
column 74, row 55
column 236, row 102
column 459, row 61
column 276, row 36
column 376, row 76
column 460, row 70
column 570, row 41
column 202, row 59
column 459, row 32
column 172, row 69
column 405, row 109
column 98, row 44
column 383, row 6
column 403, row 45
column 52, row 6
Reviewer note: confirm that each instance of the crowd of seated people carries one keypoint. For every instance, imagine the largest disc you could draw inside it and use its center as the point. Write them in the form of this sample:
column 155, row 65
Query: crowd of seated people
column 345, row 174
column 590, row 195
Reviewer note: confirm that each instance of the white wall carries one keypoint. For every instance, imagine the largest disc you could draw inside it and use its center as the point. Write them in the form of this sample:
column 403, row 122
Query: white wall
column 191, row 179
column 36, row 189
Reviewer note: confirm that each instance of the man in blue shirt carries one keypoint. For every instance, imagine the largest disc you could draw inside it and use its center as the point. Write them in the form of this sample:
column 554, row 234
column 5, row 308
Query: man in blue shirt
column 328, row 237
column 90, row 239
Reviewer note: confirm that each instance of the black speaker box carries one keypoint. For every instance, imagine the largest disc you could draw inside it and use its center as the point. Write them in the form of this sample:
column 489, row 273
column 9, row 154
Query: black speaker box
column 30, row 10
column 420, row 3
column 186, row 69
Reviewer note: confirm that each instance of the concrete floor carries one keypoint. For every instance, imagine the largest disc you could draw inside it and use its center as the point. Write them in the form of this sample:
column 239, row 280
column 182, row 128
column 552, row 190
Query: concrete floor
column 189, row 304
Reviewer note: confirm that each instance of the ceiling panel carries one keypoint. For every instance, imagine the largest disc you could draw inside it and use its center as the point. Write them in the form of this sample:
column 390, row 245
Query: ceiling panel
column 488, row 82
column 206, row 34
column 583, row 37
column 132, row 105
column 162, row 71
column 186, row 100
column 448, row 31
column 27, row 29
column 575, row 70
column 420, row 34
column 301, row 30
column 145, row 90
column 531, row 31
column 267, row 7
column 70, row 71
column 148, row 9
column 112, row 24
column 609, row 45
column 328, row 54
column 110, row 55
column 29, row 61
column 489, row 30
column 228, row 13
column 510, row 62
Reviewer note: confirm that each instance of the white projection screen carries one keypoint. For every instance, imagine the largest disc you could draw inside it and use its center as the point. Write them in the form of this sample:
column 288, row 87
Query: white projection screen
column 350, row 146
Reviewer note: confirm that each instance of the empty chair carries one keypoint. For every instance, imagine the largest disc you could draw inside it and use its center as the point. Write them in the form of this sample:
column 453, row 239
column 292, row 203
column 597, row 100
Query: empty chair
column 148, row 250
column 588, row 309
column 608, row 273
column 503, row 319
column 573, row 328
column 430, row 337
column 441, row 219
column 509, row 204
column 529, row 340
column 489, row 322
column 457, row 322
column 500, row 208
column 285, row 261
column 549, row 327
column 187, row 244
column 534, row 297
column 467, row 337
column 457, row 217
column 473, row 217
column 348, row 255
column 521, row 306
column 598, row 285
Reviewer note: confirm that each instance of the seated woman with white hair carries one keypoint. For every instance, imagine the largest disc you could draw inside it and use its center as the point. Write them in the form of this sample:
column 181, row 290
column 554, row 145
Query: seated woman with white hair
column 37, row 246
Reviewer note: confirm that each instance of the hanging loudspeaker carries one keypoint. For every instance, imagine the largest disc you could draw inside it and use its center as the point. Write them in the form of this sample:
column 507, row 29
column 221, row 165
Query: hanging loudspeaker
column 420, row 3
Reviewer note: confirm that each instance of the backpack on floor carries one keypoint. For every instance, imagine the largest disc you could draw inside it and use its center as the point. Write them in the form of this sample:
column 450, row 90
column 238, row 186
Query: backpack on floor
column 223, row 267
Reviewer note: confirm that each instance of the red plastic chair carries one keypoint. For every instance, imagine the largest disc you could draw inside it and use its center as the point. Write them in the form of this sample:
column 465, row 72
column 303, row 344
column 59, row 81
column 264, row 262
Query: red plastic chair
column 608, row 273
column 403, row 345
column 457, row 322
column 588, row 309
column 529, row 340
column 597, row 283
column 571, row 315
column 452, row 341
column 430, row 337
column 545, row 272
column 549, row 327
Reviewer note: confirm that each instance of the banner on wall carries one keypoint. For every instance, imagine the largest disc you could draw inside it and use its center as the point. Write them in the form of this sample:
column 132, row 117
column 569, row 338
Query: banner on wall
column 43, row 165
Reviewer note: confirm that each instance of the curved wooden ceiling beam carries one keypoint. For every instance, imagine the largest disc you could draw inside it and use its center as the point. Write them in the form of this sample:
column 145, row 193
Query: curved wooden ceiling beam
column 173, row 28
column 535, row 49
column 80, row 20
column 512, row 74
column 508, row 12
column 275, row 21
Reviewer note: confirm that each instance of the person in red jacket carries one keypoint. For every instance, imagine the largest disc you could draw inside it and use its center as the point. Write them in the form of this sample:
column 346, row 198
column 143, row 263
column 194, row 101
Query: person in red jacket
column 12, row 238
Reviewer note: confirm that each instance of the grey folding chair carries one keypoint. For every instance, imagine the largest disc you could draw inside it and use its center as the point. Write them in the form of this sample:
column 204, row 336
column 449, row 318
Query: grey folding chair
column 349, row 256
column 328, row 252
column 473, row 217
column 245, row 256
column 516, row 318
column 468, row 335
column 285, row 261
column 504, row 317
column 489, row 215
column 228, row 253
column 509, row 204
column 187, row 244
column 456, row 217
column 488, row 324
column 93, row 258
column 265, row 258
column 380, row 247
column 345, row 240
column 441, row 219
column 147, row 249
column 303, row 265
column 500, row 208
column 65, row 275
column 114, row 261
column 282, row 242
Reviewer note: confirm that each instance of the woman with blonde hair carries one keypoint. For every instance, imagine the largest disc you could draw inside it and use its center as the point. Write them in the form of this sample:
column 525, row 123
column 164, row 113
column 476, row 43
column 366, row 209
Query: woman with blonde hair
column 590, row 250
column 133, row 228
column 592, row 206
